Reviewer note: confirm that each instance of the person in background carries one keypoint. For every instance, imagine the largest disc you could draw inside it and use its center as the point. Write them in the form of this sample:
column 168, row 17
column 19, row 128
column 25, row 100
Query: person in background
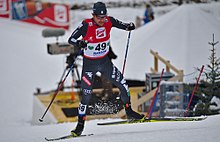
column 138, row 21
column 148, row 14
column 95, row 43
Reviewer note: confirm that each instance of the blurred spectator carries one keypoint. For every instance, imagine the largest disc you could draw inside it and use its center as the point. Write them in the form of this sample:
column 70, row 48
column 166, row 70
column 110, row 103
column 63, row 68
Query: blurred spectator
column 138, row 21
column 148, row 14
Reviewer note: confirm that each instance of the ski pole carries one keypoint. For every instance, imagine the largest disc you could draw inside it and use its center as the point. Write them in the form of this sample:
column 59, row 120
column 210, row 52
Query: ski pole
column 59, row 87
column 193, row 92
column 155, row 96
column 126, row 52
column 64, row 72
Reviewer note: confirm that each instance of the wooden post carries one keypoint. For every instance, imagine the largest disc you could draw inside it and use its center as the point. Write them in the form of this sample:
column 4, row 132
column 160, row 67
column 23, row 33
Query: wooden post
column 167, row 63
column 167, row 67
column 156, row 63
column 181, row 75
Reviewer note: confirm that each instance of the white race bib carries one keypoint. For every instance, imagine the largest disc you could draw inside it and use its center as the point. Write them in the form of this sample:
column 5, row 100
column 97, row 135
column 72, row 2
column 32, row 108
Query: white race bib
column 97, row 50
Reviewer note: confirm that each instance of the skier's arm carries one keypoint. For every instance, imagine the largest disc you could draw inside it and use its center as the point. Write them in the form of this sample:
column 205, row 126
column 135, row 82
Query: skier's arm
column 80, row 31
column 121, row 25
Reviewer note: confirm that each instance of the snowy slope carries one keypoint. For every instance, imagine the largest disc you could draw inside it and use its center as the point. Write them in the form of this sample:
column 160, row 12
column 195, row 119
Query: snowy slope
column 180, row 36
column 25, row 65
column 203, row 131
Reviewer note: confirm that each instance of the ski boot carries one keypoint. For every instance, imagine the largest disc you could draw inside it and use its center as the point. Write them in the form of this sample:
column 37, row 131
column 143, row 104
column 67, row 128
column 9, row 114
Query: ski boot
column 132, row 115
column 80, row 126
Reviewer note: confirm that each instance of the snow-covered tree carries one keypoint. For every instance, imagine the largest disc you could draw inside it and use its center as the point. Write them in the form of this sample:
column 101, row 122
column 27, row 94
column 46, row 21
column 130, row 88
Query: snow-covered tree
column 210, row 85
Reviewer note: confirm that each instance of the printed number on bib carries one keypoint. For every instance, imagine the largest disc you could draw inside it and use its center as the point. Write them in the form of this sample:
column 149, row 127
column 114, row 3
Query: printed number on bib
column 96, row 50
column 101, row 46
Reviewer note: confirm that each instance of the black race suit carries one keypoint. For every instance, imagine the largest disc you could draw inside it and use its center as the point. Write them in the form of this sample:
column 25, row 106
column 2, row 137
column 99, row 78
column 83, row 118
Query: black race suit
column 102, row 65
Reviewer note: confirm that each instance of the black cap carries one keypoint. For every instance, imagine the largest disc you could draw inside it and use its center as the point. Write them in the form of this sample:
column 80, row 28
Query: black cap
column 99, row 8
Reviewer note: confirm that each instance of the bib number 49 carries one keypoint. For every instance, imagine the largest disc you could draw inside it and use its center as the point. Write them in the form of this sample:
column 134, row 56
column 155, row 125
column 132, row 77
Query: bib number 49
column 101, row 46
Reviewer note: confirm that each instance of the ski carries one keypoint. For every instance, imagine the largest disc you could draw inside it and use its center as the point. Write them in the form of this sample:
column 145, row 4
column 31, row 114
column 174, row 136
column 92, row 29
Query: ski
column 66, row 137
column 153, row 120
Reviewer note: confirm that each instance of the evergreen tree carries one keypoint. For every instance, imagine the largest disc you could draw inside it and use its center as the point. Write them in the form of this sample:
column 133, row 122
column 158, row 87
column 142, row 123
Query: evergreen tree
column 210, row 86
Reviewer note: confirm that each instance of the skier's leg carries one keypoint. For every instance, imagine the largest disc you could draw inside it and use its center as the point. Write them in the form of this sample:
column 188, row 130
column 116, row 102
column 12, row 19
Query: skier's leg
column 115, row 76
column 86, row 86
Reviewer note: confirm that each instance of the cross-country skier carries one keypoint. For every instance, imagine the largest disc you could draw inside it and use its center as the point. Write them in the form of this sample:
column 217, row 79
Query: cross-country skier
column 95, row 43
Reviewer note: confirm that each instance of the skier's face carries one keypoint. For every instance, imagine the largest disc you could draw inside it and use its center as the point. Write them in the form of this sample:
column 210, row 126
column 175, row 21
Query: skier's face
column 100, row 20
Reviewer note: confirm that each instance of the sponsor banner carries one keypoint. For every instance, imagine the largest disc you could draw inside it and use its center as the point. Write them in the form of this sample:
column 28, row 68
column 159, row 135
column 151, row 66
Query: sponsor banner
column 4, row 8
column 45, row 14
column 52, row 15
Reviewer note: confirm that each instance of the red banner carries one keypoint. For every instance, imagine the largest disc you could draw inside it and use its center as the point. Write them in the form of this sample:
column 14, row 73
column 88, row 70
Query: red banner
column 4, row 8
column 48, row 14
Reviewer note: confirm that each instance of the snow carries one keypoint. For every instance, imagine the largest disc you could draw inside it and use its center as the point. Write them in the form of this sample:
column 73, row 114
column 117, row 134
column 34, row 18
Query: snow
column 217, row 101
column 178, row 36
column 38, row 109
column 202, row 131
column 25, row 65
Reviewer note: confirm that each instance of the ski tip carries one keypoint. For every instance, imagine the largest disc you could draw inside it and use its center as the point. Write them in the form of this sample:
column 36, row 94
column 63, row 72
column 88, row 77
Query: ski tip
column 66, row 137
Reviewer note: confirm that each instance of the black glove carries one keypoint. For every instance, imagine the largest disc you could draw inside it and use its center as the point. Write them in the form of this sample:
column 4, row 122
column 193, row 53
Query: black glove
column 70, row 59
column 130, row 26
column 82, row 43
